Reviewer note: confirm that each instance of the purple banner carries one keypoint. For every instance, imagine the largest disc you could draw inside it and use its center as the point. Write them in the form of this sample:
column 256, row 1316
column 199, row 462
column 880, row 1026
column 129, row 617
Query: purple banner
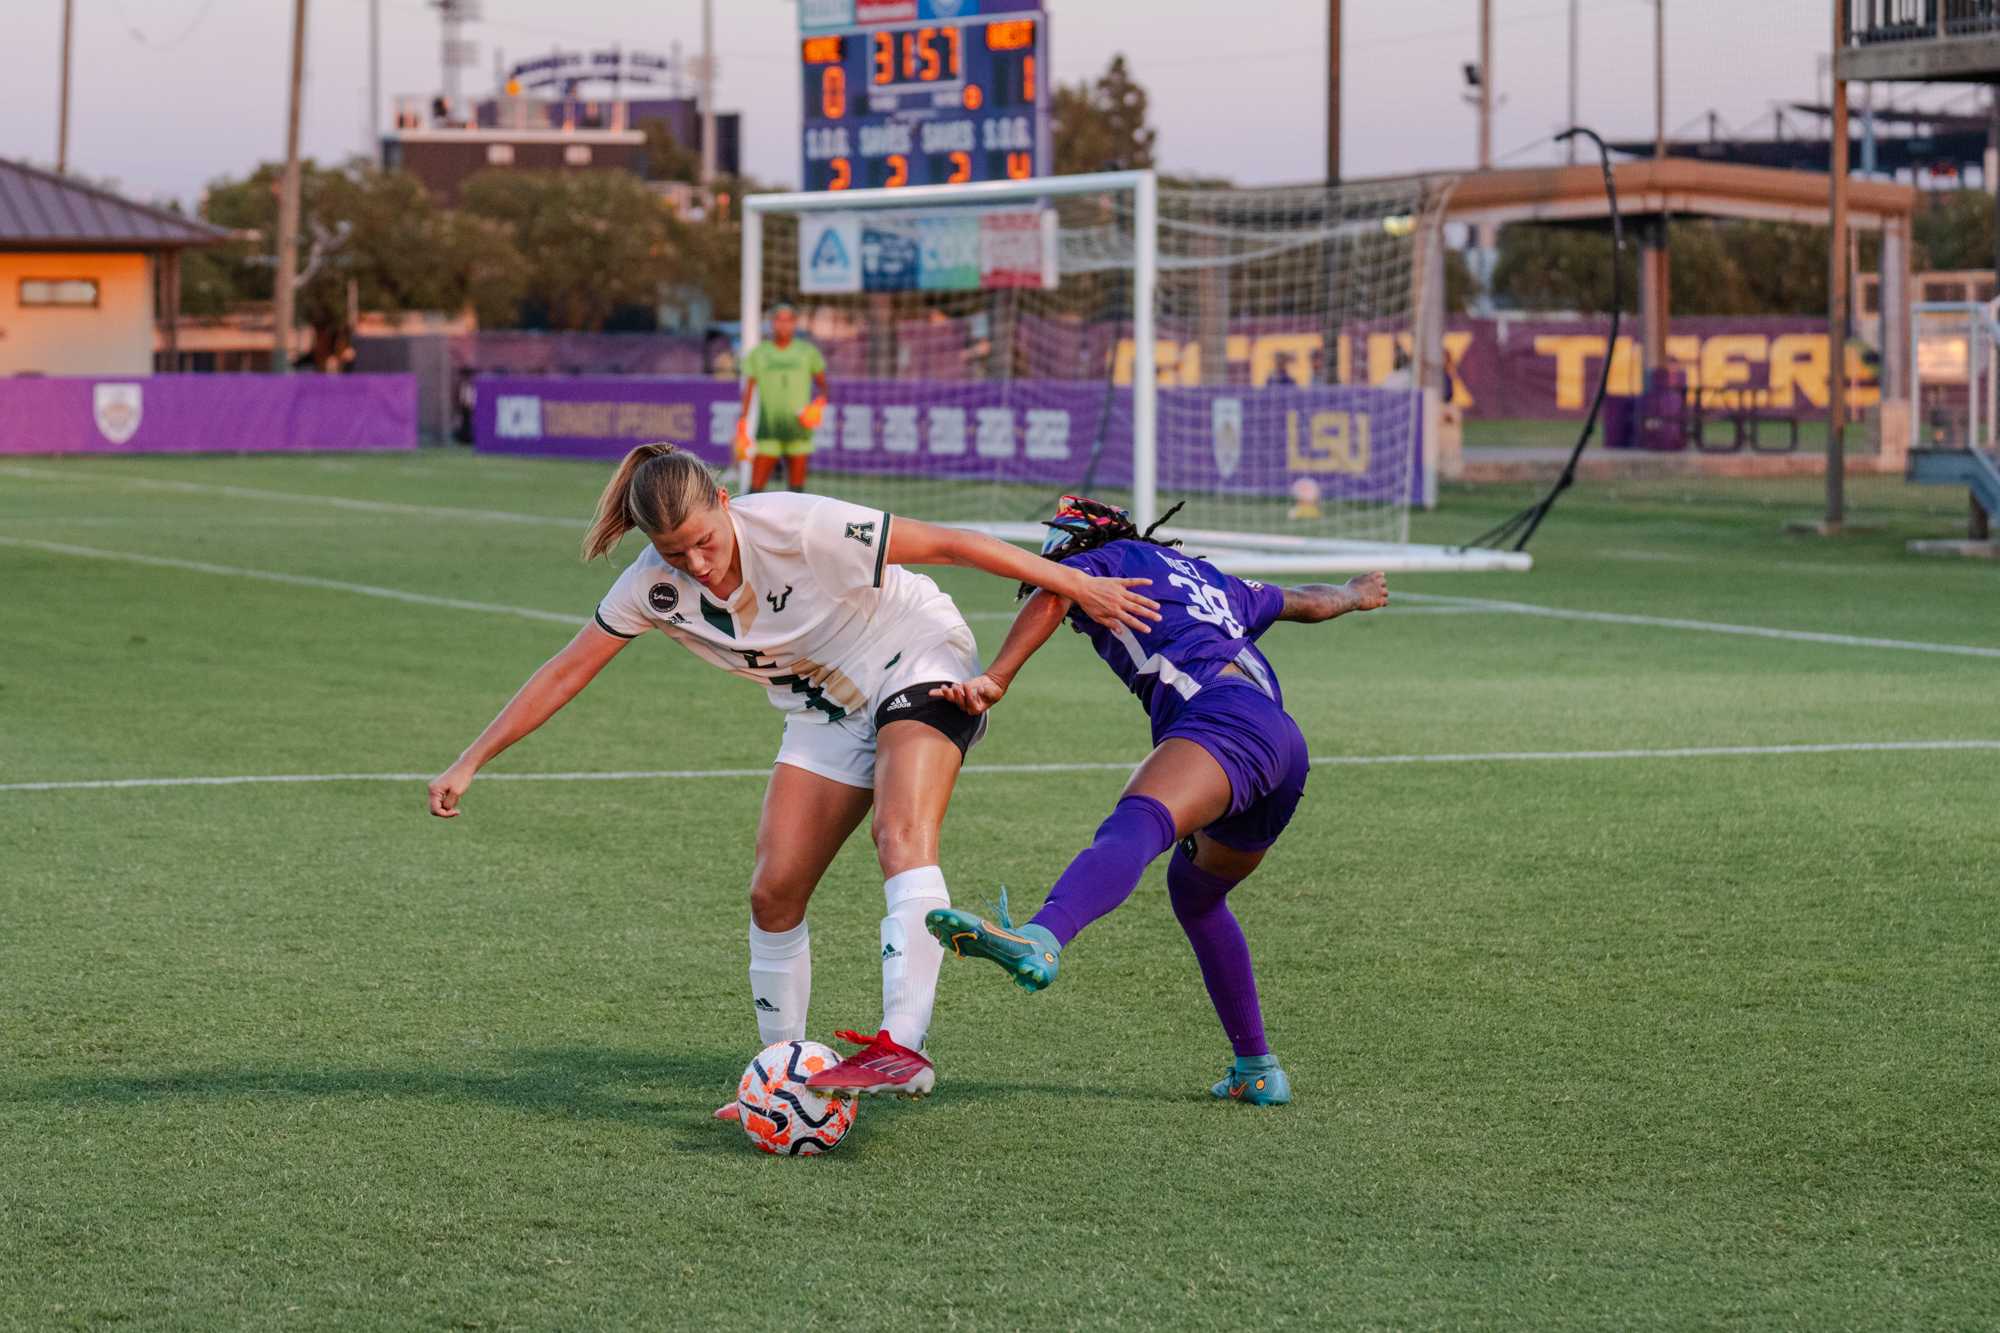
column 1540, row 368
column 1339, row 442
column 170, row 414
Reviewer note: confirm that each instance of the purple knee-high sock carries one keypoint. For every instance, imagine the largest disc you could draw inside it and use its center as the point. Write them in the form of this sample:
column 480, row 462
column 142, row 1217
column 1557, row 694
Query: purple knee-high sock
column 1104, row 874
column 1201, row 903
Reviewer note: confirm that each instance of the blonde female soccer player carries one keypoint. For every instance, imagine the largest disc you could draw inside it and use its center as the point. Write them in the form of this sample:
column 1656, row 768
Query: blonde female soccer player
column 809, row 597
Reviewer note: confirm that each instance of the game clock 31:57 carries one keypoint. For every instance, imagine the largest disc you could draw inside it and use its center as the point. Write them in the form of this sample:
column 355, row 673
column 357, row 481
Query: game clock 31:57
column 944, row 102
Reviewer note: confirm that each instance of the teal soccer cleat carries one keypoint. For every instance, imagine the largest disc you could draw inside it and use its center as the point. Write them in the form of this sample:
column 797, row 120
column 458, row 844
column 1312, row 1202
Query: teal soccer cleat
column 1029, row 953
column 1257, row 1081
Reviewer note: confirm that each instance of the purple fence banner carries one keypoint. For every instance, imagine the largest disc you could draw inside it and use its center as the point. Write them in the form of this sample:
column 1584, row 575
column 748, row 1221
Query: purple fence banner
column 174, row 414
column 1541, row 368
column 1353, row 443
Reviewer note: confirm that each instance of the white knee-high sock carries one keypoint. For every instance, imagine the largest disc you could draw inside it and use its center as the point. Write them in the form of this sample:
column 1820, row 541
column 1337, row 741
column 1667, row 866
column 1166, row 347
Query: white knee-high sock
column 781, row 974
column 910, row 957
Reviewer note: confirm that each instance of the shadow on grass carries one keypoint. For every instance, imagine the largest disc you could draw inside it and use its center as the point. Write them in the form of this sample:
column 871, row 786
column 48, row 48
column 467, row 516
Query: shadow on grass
column 570, row 1082
column 586, row 1082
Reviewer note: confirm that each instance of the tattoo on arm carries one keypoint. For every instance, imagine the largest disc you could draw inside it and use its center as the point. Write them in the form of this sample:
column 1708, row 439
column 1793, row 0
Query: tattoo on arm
column 1310, row 603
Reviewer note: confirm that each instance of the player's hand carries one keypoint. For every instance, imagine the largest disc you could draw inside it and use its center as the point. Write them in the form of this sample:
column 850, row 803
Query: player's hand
column 813, row 413
column 1367, row 592
column 1113, row 604
column 975, row 696
column 744, row 445
column 447, row 787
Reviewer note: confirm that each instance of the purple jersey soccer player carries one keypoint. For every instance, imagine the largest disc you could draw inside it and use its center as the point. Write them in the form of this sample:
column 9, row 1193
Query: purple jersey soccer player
column 1226, row 772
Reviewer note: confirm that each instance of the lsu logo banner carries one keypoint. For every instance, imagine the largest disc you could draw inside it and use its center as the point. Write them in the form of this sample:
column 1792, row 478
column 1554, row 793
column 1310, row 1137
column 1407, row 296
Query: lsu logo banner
column 117, row 409
column 1226, row 422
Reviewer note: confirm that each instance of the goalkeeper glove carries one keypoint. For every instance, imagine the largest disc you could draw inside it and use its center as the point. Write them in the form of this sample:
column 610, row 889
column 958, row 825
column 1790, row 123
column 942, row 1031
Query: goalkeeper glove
column 744, row 446
column 814, row 413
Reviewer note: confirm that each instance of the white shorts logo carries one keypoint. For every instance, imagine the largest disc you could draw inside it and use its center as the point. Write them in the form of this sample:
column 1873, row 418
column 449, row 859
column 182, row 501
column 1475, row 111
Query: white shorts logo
column 118, row 409
column 518, row 417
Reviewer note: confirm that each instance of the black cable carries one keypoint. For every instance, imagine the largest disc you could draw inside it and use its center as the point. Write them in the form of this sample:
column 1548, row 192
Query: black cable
column 1525, row 522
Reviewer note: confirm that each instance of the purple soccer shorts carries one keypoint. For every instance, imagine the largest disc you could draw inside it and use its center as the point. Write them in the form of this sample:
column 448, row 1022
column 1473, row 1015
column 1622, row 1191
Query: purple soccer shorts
column 1259, row 747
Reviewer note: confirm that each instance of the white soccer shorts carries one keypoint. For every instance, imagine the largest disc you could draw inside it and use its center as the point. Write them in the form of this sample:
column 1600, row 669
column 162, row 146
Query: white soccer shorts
column 844, row 751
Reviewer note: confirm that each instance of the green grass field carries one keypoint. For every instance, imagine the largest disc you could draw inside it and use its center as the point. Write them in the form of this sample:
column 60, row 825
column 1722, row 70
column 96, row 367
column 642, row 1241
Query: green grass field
column 1638, row 1041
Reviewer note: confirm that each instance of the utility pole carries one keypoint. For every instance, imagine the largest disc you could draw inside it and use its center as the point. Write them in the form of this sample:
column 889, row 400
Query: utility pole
column 1485, row 84
column 288, row 206
column 1333, row 92
column 62, row 107
column 1574, row 5
column 375, row 79
column 1836, row 314
column 1992, row 155
column 708, row 94
column 1659, row 78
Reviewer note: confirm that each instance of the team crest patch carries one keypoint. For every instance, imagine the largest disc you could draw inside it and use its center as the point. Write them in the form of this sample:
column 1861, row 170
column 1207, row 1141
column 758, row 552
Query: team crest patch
column 117, row 409
column 663, row 597
column 862, row 532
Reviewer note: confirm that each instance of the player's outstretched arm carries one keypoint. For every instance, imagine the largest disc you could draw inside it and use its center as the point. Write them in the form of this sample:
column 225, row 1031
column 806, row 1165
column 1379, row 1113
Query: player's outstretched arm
column 1310, row 603
column 554, row 684
column 1110, row 602
column 1030, row 630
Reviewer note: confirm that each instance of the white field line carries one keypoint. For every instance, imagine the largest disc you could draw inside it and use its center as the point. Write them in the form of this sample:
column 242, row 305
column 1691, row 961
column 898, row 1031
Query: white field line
column 435, row 511
column 1703, row 626
column 296, row 497
column 572, row 618
column 1119, row 766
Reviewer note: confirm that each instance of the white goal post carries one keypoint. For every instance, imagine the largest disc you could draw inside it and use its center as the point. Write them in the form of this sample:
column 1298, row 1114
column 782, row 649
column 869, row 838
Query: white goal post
column 987, row 351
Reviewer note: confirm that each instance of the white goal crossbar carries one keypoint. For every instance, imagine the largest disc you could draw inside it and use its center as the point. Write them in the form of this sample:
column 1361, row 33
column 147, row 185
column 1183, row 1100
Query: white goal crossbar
column 1242, row 550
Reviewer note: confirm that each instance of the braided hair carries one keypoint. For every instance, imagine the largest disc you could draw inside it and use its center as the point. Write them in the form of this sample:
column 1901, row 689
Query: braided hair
column 1082, row 524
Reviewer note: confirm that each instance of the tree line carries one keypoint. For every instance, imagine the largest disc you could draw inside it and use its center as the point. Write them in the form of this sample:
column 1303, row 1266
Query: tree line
column 596, row 250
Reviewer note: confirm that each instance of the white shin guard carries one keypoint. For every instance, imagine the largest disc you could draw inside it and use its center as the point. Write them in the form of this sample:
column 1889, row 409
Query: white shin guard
column 910, row 957
column 781, row 975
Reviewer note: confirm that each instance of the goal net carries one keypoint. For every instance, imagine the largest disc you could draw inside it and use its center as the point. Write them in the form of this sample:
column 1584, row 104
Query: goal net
column 1246, row 355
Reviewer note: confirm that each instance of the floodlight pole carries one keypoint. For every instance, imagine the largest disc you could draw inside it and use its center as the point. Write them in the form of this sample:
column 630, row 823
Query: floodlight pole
column 375, row 80
column 288, row 207
column 1485, row 84
column 1573, row 49
column 1660, row 78
column 62, row 101
column 708, row 154
column 1333, row 92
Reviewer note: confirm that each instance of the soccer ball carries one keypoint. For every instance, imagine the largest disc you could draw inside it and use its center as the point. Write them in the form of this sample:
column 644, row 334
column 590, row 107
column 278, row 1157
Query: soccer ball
column 780, row 1113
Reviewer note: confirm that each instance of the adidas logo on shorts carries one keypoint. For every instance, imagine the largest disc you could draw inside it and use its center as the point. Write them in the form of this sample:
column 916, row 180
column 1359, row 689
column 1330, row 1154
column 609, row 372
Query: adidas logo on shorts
column 900, row 701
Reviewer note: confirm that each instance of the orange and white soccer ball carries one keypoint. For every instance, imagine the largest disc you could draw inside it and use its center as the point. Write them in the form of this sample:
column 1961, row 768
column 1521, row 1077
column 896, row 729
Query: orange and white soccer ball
column 780, row 1113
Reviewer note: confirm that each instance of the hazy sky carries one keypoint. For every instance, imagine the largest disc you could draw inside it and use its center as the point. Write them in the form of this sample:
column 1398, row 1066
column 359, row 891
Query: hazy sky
column 170, row 94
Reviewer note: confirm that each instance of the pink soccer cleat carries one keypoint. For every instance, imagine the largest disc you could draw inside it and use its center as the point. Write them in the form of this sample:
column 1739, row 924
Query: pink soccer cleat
column 879, row 1068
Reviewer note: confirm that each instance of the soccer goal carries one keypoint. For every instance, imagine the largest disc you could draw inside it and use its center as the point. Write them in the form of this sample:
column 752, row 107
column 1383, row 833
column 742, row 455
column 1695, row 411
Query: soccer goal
column 1245, row 355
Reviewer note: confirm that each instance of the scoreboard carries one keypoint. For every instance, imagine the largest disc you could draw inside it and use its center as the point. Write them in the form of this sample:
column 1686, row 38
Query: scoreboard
column 923, row 92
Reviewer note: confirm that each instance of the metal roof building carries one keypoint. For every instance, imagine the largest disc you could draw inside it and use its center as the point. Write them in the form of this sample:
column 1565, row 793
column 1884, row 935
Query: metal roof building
column 86, row 275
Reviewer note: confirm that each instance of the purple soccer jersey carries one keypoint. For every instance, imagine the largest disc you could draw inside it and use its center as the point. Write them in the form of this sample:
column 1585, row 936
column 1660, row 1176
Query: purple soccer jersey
column 1208, row 620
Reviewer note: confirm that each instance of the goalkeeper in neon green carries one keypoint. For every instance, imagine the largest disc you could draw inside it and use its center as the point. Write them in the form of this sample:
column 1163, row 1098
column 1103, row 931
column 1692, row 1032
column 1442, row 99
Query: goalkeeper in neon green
column 788, row 377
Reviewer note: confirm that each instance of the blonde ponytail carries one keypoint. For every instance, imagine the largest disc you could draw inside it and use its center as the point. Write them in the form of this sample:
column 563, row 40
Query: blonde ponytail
column 655, row 489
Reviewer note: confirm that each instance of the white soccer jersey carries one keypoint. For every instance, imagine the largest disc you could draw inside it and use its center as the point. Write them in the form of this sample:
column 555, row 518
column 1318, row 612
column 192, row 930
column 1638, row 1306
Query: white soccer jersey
column 821, row 616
